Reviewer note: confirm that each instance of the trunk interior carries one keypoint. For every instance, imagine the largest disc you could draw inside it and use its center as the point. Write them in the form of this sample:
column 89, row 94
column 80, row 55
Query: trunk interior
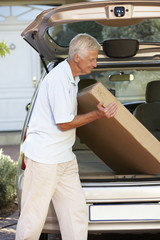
column 93, row 169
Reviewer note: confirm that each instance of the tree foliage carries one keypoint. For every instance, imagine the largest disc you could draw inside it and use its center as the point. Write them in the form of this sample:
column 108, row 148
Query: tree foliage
column 63, row 35
column 148, row 30
column 3, row 49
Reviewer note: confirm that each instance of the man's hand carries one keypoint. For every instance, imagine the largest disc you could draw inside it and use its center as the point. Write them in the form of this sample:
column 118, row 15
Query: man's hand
column 108, row 111
column 86, row 118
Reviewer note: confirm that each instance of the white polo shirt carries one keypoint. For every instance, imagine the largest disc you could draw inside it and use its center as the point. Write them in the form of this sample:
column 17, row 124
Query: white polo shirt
column 56, row 103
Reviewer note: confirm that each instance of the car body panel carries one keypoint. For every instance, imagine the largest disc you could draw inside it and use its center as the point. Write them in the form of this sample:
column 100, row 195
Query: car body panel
column 124, row 198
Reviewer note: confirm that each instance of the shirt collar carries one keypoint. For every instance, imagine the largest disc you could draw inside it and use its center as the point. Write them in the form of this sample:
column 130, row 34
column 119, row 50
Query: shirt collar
column 69, row 72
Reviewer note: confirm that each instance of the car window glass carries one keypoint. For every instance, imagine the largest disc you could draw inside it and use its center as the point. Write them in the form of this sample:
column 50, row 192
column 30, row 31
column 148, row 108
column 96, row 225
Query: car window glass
column 126, row 91
column 146, row 31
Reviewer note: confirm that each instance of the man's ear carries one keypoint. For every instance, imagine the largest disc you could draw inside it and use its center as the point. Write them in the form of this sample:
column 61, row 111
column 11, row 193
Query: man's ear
column 76, row 57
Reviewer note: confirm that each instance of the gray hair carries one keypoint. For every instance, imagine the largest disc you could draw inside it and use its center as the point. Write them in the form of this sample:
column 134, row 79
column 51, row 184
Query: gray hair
column 81, row 44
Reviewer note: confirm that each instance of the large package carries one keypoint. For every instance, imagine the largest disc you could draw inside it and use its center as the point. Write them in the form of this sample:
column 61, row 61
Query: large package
column 122, row 142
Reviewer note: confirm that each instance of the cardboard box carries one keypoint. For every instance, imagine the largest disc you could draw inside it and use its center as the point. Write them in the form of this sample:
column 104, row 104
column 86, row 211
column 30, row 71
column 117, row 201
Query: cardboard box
column 122, row 142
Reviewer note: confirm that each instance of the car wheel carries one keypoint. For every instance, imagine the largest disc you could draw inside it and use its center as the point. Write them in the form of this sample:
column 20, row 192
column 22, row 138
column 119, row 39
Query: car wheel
column 44, row 236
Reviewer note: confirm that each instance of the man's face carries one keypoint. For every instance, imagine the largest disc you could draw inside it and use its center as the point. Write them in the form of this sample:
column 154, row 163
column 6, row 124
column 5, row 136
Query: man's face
column 87, row 63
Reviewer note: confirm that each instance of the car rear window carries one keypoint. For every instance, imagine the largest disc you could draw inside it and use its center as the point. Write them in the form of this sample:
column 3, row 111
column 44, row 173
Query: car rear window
column 146, row 31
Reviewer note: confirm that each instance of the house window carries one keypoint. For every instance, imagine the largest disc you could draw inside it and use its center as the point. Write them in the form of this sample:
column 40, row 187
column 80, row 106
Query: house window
column 22, row 13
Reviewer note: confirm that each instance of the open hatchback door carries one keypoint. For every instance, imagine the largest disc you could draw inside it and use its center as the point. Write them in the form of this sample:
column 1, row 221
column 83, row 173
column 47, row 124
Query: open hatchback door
column 48, row 33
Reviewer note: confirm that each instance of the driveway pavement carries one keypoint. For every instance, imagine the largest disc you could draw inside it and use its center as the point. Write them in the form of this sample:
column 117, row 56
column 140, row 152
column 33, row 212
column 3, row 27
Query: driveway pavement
column 8, row 227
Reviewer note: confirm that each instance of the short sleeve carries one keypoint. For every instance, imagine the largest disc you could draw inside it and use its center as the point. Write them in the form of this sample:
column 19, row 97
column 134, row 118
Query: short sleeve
column 59, row 96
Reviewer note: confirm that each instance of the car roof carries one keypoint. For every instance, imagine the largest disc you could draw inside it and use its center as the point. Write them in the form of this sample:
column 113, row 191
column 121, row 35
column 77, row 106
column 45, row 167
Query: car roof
column 102, row 12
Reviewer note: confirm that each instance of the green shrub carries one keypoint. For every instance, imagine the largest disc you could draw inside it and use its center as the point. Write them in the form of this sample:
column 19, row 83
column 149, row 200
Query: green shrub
column 8, row 170
column 3, row 49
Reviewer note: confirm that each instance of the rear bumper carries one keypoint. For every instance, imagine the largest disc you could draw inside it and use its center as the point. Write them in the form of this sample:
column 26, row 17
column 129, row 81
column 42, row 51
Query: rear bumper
column 123, row 219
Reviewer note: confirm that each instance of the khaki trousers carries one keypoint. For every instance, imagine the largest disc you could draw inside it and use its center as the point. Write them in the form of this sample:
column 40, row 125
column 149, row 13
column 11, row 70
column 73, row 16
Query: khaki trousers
column 59, row 183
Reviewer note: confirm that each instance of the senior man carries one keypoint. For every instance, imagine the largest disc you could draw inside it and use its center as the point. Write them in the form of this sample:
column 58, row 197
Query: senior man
column 51, row 172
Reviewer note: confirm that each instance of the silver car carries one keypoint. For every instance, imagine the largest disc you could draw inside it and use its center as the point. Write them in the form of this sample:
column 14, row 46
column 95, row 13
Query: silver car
column 117, row 202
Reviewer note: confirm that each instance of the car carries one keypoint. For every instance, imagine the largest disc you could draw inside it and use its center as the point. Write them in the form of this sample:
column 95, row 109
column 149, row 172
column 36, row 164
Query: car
column 129, row 59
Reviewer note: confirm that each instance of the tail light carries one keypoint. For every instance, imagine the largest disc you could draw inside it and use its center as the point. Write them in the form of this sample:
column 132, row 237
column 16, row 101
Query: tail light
column 23, row 165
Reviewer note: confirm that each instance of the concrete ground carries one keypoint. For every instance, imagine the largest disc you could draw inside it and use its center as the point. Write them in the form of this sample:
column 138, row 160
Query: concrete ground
column 8, row 227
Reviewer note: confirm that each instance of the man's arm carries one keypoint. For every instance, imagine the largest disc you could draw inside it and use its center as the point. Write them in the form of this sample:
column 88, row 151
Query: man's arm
column 86, row 118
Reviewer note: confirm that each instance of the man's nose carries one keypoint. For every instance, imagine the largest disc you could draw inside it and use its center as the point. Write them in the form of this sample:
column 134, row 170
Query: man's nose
column 95, row 63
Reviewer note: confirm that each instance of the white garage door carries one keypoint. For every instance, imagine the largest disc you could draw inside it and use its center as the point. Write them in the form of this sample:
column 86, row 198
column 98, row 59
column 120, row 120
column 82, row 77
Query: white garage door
column 17, row 70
